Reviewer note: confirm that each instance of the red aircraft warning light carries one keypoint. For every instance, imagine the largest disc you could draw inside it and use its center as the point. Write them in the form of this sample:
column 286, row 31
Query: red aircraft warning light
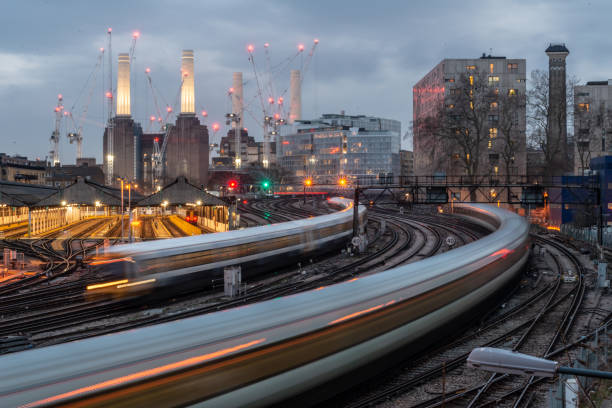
column 250, row 48
column 215, row 126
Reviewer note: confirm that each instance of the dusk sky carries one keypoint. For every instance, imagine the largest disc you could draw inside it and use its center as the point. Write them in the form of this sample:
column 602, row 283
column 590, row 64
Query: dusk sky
column 369, row 56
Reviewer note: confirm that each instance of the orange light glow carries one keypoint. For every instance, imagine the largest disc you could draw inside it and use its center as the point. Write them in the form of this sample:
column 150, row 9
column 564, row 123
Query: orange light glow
column 276, row 116
column 342, row 182
column 152, row 118
column 107, row 284
column 301, row 47
column 204, row 113
column 250, row 48
column 136, row 34
column 169, row 109
column 109, row 95
column 126, row 285
column 270, row 100
column 108, row 261
column 141, row 375
column 553, row 228
column 361, row 312
column 316, row 40
column 215, row 126
column 308, row 182
column 502, row 252
column 281, row 100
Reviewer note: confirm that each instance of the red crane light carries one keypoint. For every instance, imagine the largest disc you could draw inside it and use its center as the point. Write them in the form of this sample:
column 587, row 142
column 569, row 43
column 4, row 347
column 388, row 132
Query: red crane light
column 230, row 91
column 250, row 48
column 280, row 100
column 271, row 100
column 276, row 116
column 232, row 184
column 156, row 140
column 266, row 45
column 204, row 113
column 169, row 109
column 136, row 34
column 148, row 70
column 152, row 118
column 215, row 126
column 109, row 95
column 316, row 40
column 301, row 47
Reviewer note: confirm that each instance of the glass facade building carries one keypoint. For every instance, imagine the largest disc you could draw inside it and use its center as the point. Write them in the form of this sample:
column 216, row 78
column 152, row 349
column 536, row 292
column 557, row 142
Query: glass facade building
column 336, row 145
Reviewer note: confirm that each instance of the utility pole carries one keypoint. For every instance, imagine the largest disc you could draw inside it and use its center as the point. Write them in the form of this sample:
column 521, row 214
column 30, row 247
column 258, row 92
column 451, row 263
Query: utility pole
column 356, row 213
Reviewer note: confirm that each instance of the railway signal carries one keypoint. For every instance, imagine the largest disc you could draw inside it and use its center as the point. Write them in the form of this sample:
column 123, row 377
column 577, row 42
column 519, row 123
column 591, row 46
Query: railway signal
column 232, row 184
column 265, row 184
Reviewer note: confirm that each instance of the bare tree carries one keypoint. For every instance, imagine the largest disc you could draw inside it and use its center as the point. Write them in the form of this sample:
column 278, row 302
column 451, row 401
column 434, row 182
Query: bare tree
column 464, row 127
column 511, row 138
column 543, row 121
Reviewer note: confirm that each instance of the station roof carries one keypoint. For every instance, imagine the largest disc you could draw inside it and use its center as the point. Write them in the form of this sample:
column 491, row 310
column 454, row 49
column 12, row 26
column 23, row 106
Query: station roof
column 83, row 192
column 22, row 194
column 181, row 192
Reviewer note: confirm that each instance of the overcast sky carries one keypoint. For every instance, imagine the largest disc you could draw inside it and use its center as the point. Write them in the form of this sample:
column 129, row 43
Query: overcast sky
column 369, row 56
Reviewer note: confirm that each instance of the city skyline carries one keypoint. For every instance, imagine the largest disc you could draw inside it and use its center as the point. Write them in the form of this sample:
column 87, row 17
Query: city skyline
column 367, row 62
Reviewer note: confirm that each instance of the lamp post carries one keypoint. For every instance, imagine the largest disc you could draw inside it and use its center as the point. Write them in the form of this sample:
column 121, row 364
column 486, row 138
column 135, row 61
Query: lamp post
column 121, row 209
column 511, row 362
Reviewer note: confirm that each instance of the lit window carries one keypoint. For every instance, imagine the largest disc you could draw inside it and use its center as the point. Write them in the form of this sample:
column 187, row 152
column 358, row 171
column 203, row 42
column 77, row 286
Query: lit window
column 470, row 67
column 492, row 132
column 491, row 67
column 494, row 105
column 471, row 105
column 450, row 106
column 493, row 79
column 584, row 107
column 490, row 145
column 449, row 79
column 471, row 79
column 512, row 92
column 512, row 67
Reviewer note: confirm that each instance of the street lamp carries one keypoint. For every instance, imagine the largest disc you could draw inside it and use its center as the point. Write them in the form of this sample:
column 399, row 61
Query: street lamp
column 511, row 362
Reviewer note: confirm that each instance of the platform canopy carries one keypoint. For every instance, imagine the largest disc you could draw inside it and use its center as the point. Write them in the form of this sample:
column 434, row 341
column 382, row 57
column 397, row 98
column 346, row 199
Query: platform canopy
column 84, row 192
column 181, row 192
column 22, row 194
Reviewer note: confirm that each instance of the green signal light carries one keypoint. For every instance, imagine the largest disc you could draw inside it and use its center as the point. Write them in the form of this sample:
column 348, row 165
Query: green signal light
column 265, row 184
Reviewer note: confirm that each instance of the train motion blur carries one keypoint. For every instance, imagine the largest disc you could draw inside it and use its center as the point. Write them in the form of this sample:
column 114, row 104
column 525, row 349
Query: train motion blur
column 199, row 260
column 268, row 352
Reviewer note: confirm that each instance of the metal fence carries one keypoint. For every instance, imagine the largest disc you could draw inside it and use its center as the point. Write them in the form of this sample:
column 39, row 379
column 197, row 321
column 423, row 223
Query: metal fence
column 588, row 234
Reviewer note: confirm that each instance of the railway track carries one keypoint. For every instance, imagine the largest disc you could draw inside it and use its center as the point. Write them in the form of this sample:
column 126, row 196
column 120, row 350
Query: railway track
column 525, row 327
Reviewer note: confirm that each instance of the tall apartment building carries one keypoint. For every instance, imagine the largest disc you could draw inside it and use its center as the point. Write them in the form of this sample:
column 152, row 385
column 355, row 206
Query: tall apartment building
column 434, row 99
column 335, row 145
column 592, row 123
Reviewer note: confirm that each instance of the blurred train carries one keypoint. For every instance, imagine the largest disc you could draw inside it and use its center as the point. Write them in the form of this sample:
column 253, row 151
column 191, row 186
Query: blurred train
column 278, row 351
column 199, row 260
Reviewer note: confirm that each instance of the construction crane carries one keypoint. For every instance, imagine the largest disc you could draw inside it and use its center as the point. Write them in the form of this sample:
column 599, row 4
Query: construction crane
column 159, row 152
column 76, row 136
column 55, row 136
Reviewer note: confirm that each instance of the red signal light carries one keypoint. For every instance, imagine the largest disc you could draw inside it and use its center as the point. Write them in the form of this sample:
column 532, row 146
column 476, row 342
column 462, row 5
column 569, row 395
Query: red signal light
column 232, row 184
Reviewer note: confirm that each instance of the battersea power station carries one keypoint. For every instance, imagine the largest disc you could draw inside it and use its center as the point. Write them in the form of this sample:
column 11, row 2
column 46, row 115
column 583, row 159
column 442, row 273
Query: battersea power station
column 155, row 159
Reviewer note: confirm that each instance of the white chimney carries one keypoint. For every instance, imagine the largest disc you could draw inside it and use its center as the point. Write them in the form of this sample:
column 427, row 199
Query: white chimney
column 237, row 98
column 187, row 90
column 295, row 107
column 123, row 85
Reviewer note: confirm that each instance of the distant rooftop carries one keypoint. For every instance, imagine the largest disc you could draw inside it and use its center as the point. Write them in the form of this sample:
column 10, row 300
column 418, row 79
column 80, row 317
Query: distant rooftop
column 597, row 83
column 485, row 56
column 557, row 48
